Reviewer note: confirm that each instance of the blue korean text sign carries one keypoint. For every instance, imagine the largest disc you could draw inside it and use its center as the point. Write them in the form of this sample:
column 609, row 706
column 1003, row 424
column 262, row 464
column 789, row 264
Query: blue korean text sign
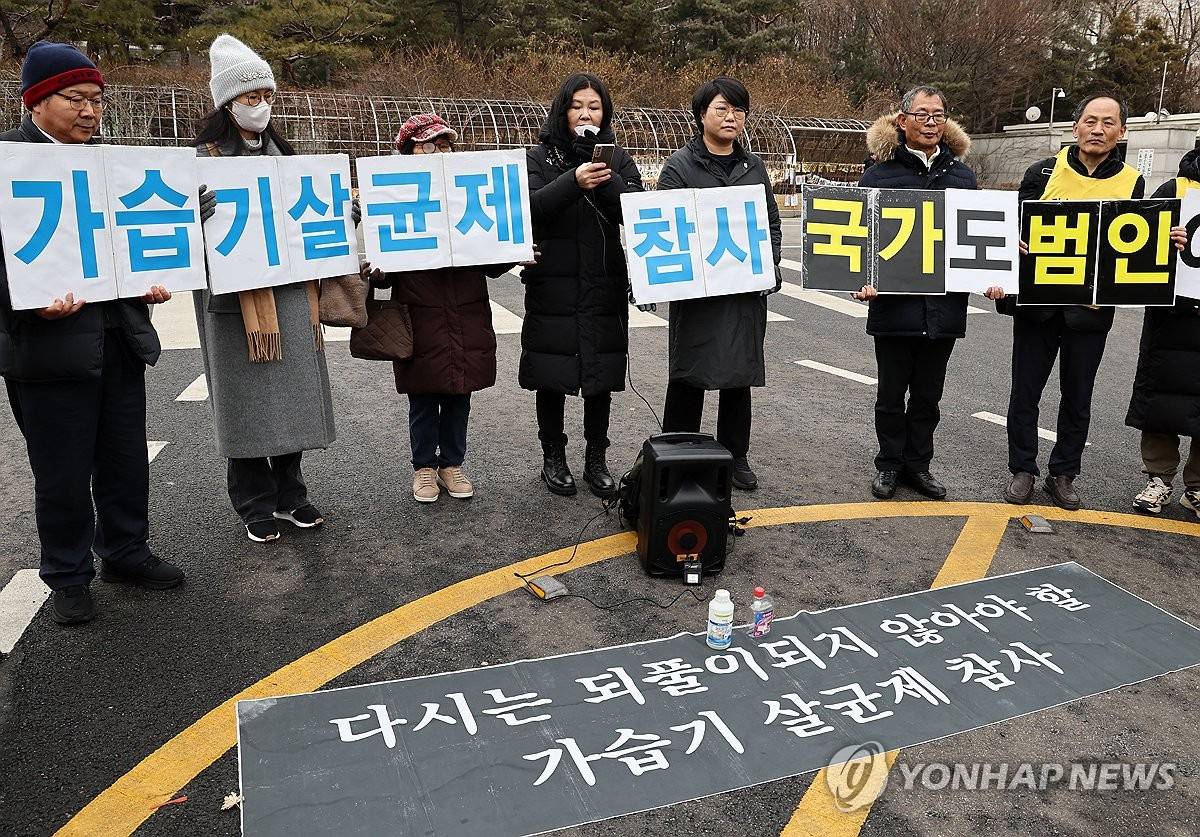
column 425, row 211
column 102, row 222
column 692, row 243
column 538, row 745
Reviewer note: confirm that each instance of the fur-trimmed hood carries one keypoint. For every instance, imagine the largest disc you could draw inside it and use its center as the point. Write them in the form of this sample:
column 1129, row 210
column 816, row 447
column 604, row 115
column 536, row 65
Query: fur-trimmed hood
column 883, row 138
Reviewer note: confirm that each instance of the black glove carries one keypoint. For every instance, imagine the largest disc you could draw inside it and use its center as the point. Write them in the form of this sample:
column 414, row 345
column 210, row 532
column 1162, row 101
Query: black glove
column 208, row 203
column 355, row 212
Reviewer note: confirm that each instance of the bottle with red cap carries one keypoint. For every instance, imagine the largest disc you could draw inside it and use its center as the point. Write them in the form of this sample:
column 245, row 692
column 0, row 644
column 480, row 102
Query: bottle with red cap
column 763, row 610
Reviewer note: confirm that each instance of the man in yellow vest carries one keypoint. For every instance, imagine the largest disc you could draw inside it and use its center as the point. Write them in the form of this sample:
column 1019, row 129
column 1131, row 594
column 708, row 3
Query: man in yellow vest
column 1090, row 169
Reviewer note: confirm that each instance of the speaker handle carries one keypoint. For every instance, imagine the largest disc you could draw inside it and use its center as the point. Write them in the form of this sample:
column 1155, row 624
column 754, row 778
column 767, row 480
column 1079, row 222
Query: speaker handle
column 681, row 438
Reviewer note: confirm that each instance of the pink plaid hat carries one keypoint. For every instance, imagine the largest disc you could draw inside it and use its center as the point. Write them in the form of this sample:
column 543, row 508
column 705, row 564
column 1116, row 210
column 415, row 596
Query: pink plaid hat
column 424, row 127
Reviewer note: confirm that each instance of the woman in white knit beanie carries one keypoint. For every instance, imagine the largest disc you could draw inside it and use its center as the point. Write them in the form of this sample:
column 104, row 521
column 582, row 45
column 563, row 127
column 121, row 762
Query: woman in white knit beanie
column 263, row 353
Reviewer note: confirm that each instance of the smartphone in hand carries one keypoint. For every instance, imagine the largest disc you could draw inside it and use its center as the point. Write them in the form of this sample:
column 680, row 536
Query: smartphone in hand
column 603, row 153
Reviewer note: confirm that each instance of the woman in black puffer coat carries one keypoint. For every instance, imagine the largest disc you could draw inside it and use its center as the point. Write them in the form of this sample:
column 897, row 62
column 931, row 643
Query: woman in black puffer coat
column 575, row 338
column 1166, row 390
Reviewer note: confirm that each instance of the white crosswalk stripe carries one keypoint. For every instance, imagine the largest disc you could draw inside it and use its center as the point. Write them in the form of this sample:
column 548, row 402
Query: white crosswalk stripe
column 841, row 373
column 831, row 302
column 1043, row 433
column 20, row 601
column 153, row 449
column 197, row 390
column 175, row 322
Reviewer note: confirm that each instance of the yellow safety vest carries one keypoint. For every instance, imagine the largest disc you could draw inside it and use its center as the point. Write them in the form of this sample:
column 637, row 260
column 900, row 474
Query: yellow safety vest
column 1067, row 184
column 1182, row 184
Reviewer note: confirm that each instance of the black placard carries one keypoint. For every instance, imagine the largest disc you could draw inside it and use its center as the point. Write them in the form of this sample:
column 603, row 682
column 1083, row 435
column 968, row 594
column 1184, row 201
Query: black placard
column 839, row 240
column 1136, row 258
column 1061, row 266
column 910, row 237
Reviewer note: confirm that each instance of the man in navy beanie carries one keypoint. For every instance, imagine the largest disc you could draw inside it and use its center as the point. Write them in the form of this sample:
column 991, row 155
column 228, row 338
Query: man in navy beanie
column 76, row 379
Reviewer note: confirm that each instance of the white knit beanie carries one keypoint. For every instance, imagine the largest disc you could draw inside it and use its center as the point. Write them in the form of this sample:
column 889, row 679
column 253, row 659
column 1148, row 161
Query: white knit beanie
column 236, row 69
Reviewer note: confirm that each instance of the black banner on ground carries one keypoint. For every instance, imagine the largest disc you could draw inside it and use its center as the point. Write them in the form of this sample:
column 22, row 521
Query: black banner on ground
column 1136, row 264
column 538, row 745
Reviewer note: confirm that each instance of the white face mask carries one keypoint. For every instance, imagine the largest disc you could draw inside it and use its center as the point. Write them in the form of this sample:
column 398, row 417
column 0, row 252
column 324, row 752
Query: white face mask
column 251, row 118
column 585, row 130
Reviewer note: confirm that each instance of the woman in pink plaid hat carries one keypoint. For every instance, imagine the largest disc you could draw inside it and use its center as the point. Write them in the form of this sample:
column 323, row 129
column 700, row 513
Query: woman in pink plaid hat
column 454, row 346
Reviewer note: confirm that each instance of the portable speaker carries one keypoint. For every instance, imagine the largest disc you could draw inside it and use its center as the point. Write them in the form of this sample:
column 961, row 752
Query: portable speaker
column 685, row 508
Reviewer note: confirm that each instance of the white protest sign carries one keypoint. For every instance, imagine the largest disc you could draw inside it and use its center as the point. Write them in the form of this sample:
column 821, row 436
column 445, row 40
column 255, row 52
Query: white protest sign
column 735, row 240
column 982, row 240
column 404, row 219
column 317, row 221
column 244, row 238
column 487, row 199
column 53, row 216
column 154, row 207
column 662, row 246
column 1187, row 270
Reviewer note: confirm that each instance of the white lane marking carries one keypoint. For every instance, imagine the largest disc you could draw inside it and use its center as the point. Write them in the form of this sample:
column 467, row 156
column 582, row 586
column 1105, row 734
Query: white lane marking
column 19, row 603
column 841, row 373
column 175, row 322
column 772, row 317
column 1043, row 433
column 197, row 390
column 644, row 319
column 153, row 449
column 834, row 303
column 503, row 320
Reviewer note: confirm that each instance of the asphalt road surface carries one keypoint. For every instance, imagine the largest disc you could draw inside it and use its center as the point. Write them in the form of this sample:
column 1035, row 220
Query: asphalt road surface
column 80, row 707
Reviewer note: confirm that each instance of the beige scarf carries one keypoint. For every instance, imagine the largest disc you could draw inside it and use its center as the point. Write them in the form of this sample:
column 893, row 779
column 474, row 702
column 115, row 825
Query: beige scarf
column 259, row 316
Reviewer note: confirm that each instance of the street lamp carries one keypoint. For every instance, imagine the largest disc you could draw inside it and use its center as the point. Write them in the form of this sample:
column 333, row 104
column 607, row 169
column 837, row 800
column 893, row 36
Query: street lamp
column 1056, row 93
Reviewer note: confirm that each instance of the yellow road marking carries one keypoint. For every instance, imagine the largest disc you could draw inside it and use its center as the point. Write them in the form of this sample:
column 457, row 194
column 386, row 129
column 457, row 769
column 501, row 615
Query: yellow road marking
column 818, row 815
column 126, row 804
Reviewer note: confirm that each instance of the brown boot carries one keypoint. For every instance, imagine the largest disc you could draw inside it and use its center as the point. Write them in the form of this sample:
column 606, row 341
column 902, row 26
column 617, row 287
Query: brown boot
column 1062, row 492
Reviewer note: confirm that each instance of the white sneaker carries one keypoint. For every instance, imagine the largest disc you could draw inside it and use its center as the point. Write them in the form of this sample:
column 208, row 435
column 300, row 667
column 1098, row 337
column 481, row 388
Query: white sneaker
column 454, row 478
column 1154, row 496
column 425, row 486
column 1190, row 499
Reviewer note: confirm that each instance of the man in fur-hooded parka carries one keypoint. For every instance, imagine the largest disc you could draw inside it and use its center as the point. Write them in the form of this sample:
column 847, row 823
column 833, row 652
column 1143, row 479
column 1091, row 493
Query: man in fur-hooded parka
column 914, row 334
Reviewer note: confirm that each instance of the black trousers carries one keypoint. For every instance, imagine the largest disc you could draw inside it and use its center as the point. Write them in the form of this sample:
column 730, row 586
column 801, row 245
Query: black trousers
column 1035, row 345
column 551, row 407
column 437, row 429
column 87, row 447
column 260, row 487
column 684, row 410
column 914, row 367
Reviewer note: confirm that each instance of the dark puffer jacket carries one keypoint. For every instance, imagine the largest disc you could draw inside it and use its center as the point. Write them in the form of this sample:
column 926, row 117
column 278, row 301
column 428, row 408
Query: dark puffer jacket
column 35, row 349
column 912, row 315
column 1166, row 389
column 454, row 346
column 576, row 332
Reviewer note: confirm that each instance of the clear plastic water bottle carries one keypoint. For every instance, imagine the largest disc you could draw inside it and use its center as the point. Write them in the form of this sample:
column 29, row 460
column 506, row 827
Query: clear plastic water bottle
column 720, row 621
column 763, row 610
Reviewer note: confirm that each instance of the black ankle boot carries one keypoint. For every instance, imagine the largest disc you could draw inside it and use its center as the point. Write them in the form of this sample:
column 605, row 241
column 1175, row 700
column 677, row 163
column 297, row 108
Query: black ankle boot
column 555, row 472
column 595, row 472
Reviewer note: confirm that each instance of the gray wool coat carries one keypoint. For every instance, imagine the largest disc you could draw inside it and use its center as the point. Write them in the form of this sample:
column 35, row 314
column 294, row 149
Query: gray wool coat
column 264, row 409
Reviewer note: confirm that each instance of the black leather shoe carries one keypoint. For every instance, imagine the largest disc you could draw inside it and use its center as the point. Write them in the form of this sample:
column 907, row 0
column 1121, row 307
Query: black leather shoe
column 1062, row 492
column 1020, row 489
column 72, row 605
column 153, row 574
column 555, row 472
column 884, row 484
column 595, row 472
column 743, row 477
column 925, row 483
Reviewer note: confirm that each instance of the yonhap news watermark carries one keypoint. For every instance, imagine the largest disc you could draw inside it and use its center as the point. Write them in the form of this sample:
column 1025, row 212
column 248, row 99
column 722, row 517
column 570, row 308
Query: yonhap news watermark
column 859, row 774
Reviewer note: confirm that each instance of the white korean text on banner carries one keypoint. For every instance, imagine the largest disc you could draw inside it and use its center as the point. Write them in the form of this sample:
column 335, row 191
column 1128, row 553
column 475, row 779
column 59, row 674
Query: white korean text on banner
column 317, row 220
column 154, row 205
column 245, row 236
column 435, row 210
column 692, row 243
column 982, row 240
column 52, row 211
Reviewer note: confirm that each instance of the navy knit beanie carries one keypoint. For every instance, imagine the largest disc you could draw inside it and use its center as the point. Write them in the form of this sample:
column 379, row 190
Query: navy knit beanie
column 49, row 67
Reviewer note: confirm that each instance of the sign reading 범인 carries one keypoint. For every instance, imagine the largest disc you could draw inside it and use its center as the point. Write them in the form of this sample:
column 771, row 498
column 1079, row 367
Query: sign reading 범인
column 101, row 222
column 692, row 243
column 425, row 211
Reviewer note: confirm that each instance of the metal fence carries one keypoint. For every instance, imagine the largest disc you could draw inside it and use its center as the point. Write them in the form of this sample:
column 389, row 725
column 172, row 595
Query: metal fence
column 361, row 125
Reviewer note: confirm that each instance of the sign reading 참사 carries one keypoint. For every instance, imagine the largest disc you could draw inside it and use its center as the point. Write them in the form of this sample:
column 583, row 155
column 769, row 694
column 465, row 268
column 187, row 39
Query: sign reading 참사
column 100, row 222
column 693, row 243
column 538, row 745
